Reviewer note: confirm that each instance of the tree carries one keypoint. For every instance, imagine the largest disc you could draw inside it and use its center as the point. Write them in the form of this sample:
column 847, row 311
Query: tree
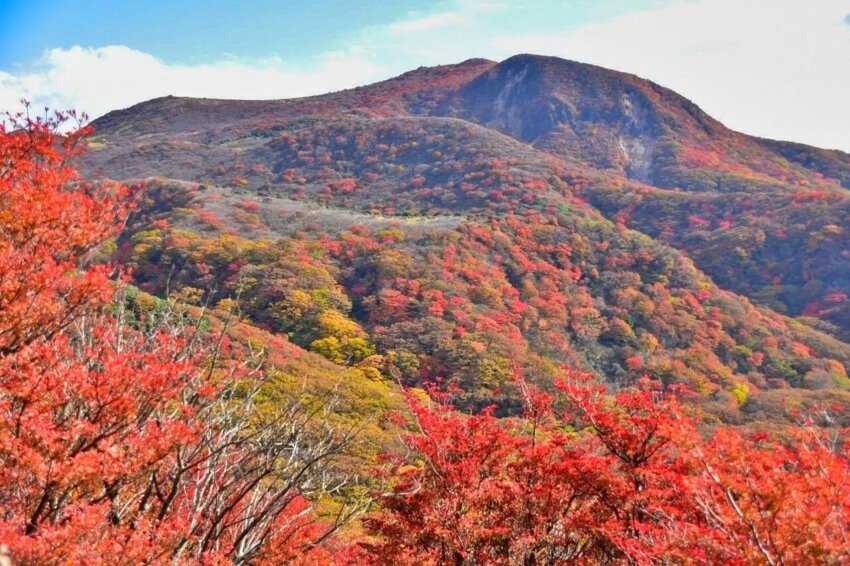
column 48, row 228
column 609, row 479
column 130, row 438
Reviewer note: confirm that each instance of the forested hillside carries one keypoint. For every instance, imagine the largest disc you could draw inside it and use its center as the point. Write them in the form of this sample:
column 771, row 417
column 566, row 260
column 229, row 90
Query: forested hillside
column 466, row 220
column 527, row 312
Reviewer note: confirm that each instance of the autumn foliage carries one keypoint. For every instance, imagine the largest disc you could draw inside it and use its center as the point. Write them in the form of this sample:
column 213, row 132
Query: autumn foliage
column 133, row 430
column 123, row 439
column 589, row 478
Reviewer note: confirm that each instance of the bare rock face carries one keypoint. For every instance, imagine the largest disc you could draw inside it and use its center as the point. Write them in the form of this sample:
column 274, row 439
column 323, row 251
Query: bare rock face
column 560, row 105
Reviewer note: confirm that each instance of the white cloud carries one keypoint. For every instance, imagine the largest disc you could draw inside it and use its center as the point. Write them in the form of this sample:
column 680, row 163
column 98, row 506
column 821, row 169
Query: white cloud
column 426, row 23
column 97, row 80
column 774, row 68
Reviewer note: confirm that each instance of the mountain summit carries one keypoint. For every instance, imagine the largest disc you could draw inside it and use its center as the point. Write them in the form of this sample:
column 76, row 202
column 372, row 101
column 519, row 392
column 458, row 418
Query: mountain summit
column 609, row 119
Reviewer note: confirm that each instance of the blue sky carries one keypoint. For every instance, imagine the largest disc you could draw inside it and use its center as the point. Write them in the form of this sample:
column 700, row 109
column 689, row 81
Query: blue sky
column 189, row 32
column 776, row 68
column 205, row 31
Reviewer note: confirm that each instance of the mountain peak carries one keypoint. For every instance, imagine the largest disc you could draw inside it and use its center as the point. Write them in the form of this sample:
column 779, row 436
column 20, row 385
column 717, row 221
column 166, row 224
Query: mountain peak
column 576, row 111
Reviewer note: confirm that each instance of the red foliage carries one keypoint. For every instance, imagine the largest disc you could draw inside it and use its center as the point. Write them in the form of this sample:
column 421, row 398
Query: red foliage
column 210, row 218
column 249, row 206
column 811, row 309
column 45, row 233
column 636, row 484
column 106, row 455
column 836, row 297
column 343, row 186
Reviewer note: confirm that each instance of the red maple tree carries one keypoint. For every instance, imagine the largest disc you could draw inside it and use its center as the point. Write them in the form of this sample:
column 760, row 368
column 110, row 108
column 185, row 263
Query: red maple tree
column 125, row 439
column 627, row 478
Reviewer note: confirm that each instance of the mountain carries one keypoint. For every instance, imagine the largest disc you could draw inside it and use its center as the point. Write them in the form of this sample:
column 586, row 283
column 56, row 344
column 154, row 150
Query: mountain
column 463, row 222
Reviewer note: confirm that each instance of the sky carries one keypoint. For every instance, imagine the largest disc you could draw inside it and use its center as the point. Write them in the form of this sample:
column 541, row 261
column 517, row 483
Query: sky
column 772, row 68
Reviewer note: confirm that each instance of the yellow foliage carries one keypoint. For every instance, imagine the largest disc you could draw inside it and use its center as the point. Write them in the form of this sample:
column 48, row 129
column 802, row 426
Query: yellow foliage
column 227, row 305
column 334, row 323
column 330, row 348
column 145, row 303
column 648, row 343
column 740, row 391
column 188, row 295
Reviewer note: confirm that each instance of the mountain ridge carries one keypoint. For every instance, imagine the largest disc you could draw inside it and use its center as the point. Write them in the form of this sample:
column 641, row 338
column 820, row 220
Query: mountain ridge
column 472, row 69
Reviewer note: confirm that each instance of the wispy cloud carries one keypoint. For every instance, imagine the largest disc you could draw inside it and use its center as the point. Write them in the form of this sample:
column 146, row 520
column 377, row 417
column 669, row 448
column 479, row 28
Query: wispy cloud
column 427, row 23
